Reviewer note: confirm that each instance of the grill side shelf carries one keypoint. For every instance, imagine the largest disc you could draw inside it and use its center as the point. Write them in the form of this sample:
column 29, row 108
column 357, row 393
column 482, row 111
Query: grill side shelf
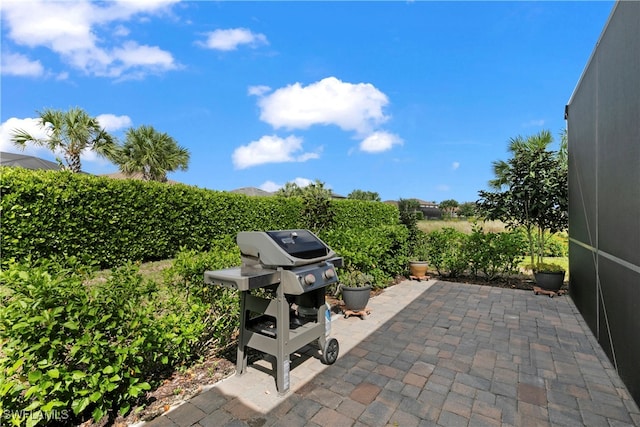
column 232, row 278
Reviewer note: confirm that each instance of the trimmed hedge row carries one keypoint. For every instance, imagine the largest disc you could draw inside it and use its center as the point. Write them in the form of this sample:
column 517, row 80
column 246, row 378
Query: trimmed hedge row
column 105, row 221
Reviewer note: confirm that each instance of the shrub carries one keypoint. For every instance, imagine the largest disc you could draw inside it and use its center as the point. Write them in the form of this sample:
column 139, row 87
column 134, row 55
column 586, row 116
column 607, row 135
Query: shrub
column 494, row 254
column 381, row 252
column 109, row 222
column 446, row 251
column 219, row 304
column 76, row 348
column 557, row 245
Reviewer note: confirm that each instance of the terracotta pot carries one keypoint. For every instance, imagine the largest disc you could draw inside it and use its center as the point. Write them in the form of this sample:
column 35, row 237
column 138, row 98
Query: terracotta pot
column 418, row 268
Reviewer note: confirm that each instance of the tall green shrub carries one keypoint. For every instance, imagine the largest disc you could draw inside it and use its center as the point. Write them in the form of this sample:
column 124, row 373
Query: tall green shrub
column 381, row 251
column 73, row 347
column 108, row 222
column 446, row 251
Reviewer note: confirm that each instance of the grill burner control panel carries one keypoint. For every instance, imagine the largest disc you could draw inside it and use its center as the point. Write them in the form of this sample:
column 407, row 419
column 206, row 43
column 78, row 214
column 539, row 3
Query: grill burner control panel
column 308, row 278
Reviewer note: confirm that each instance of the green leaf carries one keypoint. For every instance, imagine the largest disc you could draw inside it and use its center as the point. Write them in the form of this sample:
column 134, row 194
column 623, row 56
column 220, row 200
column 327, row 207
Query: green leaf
column 71, row 325
column 80, row 405
column 34, row 376
column 97, row 414
column 78, row 375
column 51, row 405
column 53, row 373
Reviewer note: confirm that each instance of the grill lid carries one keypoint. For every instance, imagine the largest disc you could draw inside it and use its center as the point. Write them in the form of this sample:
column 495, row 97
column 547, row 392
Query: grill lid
column 286, row 248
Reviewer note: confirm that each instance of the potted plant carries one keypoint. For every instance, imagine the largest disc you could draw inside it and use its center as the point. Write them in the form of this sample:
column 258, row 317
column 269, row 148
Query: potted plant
column 418, row 265
column 549, row 276
column 355, row 288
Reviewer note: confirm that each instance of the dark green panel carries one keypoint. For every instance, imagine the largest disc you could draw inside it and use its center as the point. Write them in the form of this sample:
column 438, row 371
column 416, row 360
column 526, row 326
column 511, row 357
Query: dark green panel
column 620, row 320
column 582, row 285
column 618, row 130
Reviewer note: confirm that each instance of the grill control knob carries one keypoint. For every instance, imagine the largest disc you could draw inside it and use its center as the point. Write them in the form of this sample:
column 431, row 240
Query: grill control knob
column 329, row 274
column 309, row 279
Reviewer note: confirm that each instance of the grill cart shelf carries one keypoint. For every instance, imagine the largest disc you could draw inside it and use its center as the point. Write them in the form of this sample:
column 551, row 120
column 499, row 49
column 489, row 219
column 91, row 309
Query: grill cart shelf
column 295, row 267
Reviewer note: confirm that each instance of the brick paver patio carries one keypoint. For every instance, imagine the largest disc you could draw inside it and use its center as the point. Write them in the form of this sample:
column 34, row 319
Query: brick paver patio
column 435, row 353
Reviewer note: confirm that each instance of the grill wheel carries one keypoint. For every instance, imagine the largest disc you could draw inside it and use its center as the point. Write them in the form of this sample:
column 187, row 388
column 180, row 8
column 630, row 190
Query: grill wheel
column 330, row 351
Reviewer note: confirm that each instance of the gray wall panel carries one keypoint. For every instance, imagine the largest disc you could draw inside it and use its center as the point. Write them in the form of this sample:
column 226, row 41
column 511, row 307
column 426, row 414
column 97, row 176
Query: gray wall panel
column 582, row 162
column 620, row 328
column 604, row 192
column 582, row 270
column 619, row 137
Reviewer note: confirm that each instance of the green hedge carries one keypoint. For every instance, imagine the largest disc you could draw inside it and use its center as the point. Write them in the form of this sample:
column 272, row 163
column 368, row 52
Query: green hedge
column 108, row 222
column 382, row 252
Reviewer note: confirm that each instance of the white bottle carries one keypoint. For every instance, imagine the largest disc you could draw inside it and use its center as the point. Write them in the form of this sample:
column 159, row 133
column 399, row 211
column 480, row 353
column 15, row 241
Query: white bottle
column 327, row 321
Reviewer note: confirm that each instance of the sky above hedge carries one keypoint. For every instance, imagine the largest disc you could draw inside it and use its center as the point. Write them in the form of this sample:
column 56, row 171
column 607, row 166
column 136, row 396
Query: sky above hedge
column 407, row 99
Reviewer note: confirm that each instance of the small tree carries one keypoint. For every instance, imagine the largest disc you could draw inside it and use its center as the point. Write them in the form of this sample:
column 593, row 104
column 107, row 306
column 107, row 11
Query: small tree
column 467, row 209
column 410, row 213
column 531, row 191
column 318, row 212
column 289, row 189
column 71, row 132
column 150, row 153
column 449, row 207
column 364, row 195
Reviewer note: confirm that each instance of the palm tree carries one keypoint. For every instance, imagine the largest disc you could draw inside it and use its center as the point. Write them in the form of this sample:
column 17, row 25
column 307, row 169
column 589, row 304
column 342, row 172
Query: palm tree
column 537, row 142
column 71, row 132
column 151, row 153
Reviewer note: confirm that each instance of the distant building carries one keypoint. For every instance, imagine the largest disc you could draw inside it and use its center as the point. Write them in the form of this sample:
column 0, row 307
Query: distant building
column 27, row 162
column 430, row 210
column 252, row 191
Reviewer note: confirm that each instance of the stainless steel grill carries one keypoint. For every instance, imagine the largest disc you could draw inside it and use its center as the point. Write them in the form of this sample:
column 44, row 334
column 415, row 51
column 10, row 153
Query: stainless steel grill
column 294, row 267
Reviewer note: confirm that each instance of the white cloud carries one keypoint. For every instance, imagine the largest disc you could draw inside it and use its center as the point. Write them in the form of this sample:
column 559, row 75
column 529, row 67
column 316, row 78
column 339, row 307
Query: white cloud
column 302, row 182
column 380, row 141
column 443, row 187
column 32, row 126
column 230, row 39
column 15, row 64
column 83, row 34
column 258, row 90
column 270, row 186
column 111, row 122
column 352, row 107
column 271, row 149
column 455, row 165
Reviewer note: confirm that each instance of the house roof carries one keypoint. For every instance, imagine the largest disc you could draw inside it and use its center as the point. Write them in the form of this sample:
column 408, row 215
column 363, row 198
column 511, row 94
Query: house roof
column 27, row 162
column 251, row 191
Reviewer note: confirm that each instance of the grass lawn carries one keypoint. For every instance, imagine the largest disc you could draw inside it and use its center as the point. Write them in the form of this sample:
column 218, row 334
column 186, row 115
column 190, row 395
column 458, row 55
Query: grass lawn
column 429, row 225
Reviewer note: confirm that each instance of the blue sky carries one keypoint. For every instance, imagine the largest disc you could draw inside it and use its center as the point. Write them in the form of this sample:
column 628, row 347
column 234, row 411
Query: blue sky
column 407, row 99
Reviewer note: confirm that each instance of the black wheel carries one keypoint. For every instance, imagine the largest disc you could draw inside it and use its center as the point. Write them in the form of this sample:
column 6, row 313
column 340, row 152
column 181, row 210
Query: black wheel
column 330, row 351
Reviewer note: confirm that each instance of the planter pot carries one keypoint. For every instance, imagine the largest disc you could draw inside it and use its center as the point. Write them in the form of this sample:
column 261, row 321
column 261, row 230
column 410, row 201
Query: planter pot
column 551, row 281
column 418, row 268
column 356, row 299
